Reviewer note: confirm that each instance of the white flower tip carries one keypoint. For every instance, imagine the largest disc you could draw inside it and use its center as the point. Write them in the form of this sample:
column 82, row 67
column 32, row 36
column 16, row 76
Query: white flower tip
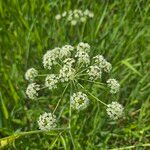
column 47, row 121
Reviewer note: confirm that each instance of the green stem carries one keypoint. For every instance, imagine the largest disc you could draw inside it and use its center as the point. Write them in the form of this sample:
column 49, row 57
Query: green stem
column 44, row 87
column 60, row 98
column 92, row 81
column 41, row 131
column 70, row 114
column 83, row 28
column 31, row 132
column 79, row 73
column 92, row 95
column 133, row 146
column 78, row 67
column 41, row 75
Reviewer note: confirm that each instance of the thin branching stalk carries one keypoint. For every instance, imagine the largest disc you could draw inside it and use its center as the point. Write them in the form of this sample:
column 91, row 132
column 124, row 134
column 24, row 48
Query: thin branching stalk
column 92, row 95
column 70, row 116
column 61, row 98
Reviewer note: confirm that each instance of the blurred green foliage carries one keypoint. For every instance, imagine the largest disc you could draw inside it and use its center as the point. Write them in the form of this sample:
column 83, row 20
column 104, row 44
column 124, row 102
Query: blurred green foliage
column 119, row 31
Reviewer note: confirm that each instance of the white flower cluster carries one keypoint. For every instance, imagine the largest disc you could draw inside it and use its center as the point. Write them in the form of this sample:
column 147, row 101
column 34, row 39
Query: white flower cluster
column 50, row 58
column 82, row 53
column 31, row 74
column 94, row 72
column 85, row 47
column 68, row 57
column 32, row 90
column 71, row 64
column 51, row 81
column 114, row 110
column 65, row 51
column 47, row 121
column 113, row 85
column 75, row 16
column 83, row 57
column 102, row 63
column 79, row 101
column 66, row 73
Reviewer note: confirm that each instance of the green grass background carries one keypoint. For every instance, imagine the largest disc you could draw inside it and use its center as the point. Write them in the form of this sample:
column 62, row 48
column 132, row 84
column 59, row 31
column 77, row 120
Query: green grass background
column 120, row 31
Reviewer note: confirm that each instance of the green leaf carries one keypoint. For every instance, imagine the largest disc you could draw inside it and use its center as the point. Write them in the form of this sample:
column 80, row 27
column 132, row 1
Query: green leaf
column 7, row 140
column 100, row 21
column 63, row 142
column 126, row 63
column 4, row 108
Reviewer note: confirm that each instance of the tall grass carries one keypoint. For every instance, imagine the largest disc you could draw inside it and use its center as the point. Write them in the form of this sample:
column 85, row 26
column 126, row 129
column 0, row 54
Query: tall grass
column 119, row 31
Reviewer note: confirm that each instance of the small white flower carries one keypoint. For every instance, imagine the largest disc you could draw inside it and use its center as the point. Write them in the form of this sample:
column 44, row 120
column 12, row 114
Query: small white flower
column 65, row 51
column 80, row 12
column 70, row 15
column 51, row 81
column 83, row 57
column 73, row 22
column 32, row 90
column 47, row 121
column 107, row 67
column 76, row 15
column 50, row 58
column 91, row 15
column 102, row 63
column 114, row 110
column 58, row 17
column 31, row 74
column 75, row 11
column 113, row 85
column 99, row 60
column 69, row 18
column 86, row 12
column 83, row 19
column 64, row 14
column 83, row 47
column 66, row 73
column 79, row 101
column 94, row 72
column 69, row 61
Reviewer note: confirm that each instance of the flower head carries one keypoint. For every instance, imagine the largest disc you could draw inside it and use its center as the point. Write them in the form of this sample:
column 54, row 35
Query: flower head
column 83, row 57
column 94, row 72
column 64, row 14
column 114, row 110
column 102, row 63
column 58, row 17
column 31, row 74
column 85, row 47
column 47, row 121
column 88, row 13
column 75, row 16
column 79, row 101
column 99, row 60
column 83, row 19
column 113, row 85
column 69, row 61
column 66, row 73
column 32, row 90
column 65, row 51
column 91, row 14
column 107, row 67
column 51, row 81
column 73, row 22
column 50, row 58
